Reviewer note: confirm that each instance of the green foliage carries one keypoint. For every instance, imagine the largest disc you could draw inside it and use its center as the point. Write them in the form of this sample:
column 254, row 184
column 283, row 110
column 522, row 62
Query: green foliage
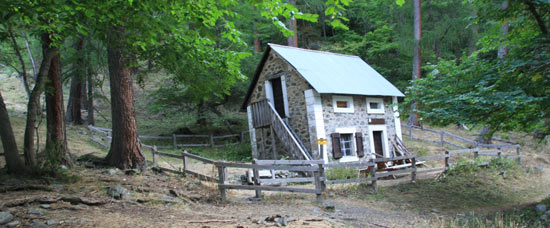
column 239, row 152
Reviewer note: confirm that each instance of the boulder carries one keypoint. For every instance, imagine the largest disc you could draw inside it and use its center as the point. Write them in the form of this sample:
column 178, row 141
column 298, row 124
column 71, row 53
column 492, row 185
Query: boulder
column 5, row 217
column 13, row 224
column 118, row 192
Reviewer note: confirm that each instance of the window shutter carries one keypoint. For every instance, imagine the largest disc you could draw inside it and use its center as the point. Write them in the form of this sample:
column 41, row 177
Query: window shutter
column 359, row 144
column 336, row 151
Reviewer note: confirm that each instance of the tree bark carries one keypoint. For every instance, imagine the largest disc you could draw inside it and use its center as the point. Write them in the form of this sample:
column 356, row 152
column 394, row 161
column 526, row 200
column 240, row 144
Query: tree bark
column 75, row 96
column 90, row 101
column 125, row 149
column 417, row 55
column 11, row 153
column 56, row 140
column 33, row 106
column 293, row 40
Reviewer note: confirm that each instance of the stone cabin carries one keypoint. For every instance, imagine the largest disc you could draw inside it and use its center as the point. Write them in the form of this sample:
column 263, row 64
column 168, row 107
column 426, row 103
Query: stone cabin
column 299, row 96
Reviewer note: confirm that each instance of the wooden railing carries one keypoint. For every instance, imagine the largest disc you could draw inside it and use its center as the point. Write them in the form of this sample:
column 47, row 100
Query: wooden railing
column 103, row 137
column 264, row 114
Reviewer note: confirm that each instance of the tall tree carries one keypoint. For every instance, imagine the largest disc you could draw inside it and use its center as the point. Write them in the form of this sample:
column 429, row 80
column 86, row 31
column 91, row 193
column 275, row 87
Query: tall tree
column 292, row 26
column 11, row 153
column 417, row 55
column 56, row 139
column 125, row 151
column 75, row 96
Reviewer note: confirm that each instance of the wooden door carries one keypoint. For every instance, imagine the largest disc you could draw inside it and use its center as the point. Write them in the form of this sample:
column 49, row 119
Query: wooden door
column 377, row 138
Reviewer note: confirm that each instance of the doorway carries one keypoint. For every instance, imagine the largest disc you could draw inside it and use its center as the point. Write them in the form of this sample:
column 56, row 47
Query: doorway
column 377, row 140
column 278, row 96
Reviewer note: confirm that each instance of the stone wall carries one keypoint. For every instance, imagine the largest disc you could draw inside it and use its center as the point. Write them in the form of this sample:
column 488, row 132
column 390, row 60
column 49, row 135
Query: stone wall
column 295, row 87
column 358, row 120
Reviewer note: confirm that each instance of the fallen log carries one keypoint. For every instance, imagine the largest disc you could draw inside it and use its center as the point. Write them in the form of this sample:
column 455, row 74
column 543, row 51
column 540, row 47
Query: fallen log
column 49, row 200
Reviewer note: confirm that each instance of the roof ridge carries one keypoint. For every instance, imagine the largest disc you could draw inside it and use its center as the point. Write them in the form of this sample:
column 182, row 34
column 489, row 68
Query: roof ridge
column 310, row 50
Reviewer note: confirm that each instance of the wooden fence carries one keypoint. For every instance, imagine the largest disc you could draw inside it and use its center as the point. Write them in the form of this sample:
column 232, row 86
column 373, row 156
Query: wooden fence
column 103, row 137
column 317, row 170
column 446, row 137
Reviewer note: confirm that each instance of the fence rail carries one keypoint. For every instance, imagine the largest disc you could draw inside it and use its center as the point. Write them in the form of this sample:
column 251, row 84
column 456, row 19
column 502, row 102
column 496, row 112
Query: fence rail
column 317, row 170
column 103, row 137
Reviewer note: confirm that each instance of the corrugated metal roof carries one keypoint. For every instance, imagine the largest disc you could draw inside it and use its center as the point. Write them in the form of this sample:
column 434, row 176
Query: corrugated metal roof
column 336, row 73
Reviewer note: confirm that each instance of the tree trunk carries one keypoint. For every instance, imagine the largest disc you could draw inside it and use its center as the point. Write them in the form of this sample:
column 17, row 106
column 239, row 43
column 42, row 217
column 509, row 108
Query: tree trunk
column 84, row 89
column 293, row 40
column 417, row 55
column 75, row 96
column 257, row 42
column 91, row 119
column 23, row 72
column 33, row 106
column 56, row 141
column 11, row 153
column 485, row 135
column 125, row 149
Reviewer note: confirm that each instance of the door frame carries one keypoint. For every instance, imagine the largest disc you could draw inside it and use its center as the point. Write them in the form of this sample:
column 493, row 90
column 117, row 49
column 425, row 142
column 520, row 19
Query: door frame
column 381, row 127
column 269, row 93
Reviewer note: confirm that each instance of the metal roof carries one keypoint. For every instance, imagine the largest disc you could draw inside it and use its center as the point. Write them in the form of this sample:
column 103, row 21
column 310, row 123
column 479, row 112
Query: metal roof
column 336, row 73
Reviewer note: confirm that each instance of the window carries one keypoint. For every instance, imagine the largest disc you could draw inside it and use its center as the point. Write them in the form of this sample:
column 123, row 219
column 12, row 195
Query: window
column 375, row 105
column 346, row 144
column 342, row 104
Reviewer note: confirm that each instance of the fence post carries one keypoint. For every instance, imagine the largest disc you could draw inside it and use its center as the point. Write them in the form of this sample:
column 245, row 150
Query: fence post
column 373, row 176
column 413, row 173
column 447, row 156
column 323, row 177
column 174, row 142
column 184, row 163
column 212, row 140
column 410, row 132
column 499, row 153
column 442, row 135
column 318, row 188
column 154, row 151
column 257, row 181
column 476, row 153
column 242, row 137
column 518, row 152
column 221, row 181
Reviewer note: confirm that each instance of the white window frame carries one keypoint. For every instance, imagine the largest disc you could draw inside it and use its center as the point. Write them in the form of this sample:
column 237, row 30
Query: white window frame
column 348, row 99
column 353, row 157
column 380, row 110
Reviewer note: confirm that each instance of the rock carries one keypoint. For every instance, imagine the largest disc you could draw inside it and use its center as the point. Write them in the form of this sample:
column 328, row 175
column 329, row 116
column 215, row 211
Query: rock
column 328, row 206
column 540, row 208
column 34, row 212
column 435, row 210
column 170, row 199
column 5, row 217
column 57, row 187
column 63, row 167
column 543, row 218
column 111, row 171
column 118, row 192
column 547, row 213
column 539, row 169
column 45, row 206
column 51, row 222
column 174, row 193
column 13, row 224
column 39, row 225
column 37, row 221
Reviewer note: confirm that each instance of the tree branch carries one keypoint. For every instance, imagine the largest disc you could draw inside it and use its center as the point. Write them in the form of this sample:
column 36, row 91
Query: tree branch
column 538, row 18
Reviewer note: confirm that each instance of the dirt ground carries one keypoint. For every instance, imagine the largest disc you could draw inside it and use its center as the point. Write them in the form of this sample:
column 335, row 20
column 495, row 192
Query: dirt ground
column 164, row 200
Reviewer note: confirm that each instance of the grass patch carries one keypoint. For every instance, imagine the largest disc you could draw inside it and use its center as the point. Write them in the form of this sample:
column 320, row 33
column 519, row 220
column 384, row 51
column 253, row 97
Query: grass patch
column 341, row 173
column 466, row 186
column 524, row 217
